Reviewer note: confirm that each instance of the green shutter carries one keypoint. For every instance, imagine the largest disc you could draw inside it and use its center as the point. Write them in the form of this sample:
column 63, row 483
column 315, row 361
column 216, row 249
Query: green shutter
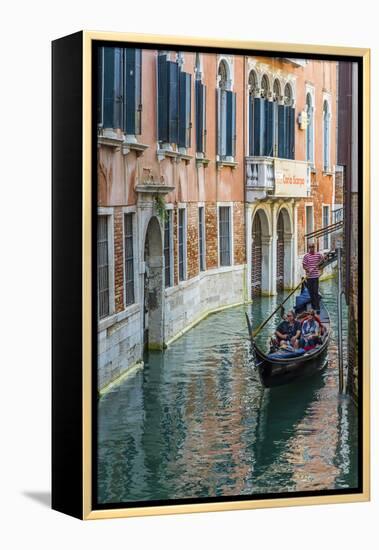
column 162, row 98
column 108, row 90
column 100, row 85
column 281, row 131
column 118, row 89
column 259, row 126
column 173, row 102
column 291, row 133
column 230, row 123
column 269, row 128
column 184, row 109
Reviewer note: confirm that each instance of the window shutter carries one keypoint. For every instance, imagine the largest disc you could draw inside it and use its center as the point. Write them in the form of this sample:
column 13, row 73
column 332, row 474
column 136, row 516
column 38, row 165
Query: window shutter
column 130, row 91
column 234, row 122
column 184, row 109
column 199, row 104
column 118, row 89
column 218, row 117
column 162, row 98
column 108, row 86
column 173, row 102
column 291, row 133
column 230, row 123
column 327, row 139
column 269, row 128
column 282, row 131
column 251, row 126
column 100, row 85
column 258, row 126
column 138, row 114
column 204, row 116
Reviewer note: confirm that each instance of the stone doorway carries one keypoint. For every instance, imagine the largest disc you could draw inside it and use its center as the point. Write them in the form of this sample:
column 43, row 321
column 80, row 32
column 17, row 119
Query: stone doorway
column 153, row 287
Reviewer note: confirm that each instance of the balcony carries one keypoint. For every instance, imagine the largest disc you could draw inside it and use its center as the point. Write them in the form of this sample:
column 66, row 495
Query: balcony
column 268, row 177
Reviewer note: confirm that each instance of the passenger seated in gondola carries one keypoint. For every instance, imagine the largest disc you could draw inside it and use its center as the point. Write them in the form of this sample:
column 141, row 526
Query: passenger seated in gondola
column 288, row 332
column 307, row 315
column 310, row 332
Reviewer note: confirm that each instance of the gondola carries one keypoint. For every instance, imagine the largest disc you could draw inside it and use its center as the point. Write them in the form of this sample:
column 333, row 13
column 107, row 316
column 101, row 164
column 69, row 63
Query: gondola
column 275, row 370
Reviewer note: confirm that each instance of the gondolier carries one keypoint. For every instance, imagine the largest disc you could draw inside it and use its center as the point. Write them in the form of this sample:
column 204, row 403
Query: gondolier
column 311, row 265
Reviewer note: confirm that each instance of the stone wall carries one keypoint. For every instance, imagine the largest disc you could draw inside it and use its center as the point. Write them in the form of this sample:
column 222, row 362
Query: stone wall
column 192, row 299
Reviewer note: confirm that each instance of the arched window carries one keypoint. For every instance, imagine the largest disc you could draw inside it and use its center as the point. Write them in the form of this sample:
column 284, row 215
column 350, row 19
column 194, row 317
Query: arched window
column 253, row 93
column 226, row 114
column 287, row 125
column 275, row 117
column 326, row 135
column 309, row 135
column 265, row 87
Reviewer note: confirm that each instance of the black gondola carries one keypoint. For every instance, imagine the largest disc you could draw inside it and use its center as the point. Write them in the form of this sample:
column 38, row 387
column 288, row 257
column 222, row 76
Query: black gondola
column 275, row 371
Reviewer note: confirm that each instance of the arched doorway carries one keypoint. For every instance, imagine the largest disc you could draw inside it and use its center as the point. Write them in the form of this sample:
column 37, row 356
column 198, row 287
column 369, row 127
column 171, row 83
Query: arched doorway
column 153, row 287
column 260, row 254
column 256, row 257
column 283, row 251
column 280, row 253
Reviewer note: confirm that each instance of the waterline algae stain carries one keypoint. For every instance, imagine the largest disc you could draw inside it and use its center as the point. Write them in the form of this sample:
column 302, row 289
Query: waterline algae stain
column 197, row 423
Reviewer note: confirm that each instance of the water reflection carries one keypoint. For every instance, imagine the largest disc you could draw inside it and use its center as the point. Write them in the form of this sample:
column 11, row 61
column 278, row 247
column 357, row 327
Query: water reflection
column 197, row 423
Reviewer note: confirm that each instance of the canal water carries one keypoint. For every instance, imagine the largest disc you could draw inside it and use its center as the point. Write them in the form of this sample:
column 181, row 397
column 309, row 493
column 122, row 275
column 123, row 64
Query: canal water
column 195, row 422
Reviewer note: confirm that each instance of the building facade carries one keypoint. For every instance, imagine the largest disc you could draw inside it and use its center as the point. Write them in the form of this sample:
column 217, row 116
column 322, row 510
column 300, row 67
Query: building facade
column 211, row 170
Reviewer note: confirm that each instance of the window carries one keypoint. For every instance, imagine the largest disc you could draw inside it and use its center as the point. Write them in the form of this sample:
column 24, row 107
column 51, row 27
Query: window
column 309, row 219
column 168, row 248
column 129, row 259
column 309, row 134
column 102, row 267
column 275, row 118
column 120, row 89
column 267, row 122
column 200, row 106
column 253, row 135
column 224, row 235
column 326, row 134
column 226, row 115
column 325, row 223
column 287, row 125
column 201, row 238
column 182, row 250
column 174, row 103
column 260, row 112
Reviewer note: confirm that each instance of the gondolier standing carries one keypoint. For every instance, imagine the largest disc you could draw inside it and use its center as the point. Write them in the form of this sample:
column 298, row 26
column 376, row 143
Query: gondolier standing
column 311, row 264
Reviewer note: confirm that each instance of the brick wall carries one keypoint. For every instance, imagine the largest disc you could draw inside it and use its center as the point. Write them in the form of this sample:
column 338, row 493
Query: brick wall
column 192, row 240
column 239, row 233
column 118, row 260
column 211, row 236
column 175, row 238
column 256, row 258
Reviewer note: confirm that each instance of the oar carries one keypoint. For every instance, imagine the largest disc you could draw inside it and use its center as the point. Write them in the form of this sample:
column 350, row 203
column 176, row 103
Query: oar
column 257, row 330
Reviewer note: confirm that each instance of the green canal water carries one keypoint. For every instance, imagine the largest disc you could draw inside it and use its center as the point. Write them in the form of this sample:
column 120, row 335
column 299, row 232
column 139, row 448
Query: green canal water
column 195, row 422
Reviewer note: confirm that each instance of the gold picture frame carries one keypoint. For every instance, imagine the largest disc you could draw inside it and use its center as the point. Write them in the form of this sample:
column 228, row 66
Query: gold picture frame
column 82, row 465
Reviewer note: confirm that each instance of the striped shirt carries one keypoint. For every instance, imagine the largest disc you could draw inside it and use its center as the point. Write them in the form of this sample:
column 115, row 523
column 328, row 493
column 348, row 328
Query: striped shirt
column 310, row 264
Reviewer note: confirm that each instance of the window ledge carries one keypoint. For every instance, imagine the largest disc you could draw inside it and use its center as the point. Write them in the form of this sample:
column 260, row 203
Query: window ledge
column 185, row 157
column 110, row 141
column 222, row 163
column 202, row 161
column 166, row 153
column 327, row 172
column 138, row 148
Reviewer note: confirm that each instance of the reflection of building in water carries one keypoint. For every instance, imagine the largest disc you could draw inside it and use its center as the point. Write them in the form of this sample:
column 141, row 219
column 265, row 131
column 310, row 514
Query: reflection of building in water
column 211, row 168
